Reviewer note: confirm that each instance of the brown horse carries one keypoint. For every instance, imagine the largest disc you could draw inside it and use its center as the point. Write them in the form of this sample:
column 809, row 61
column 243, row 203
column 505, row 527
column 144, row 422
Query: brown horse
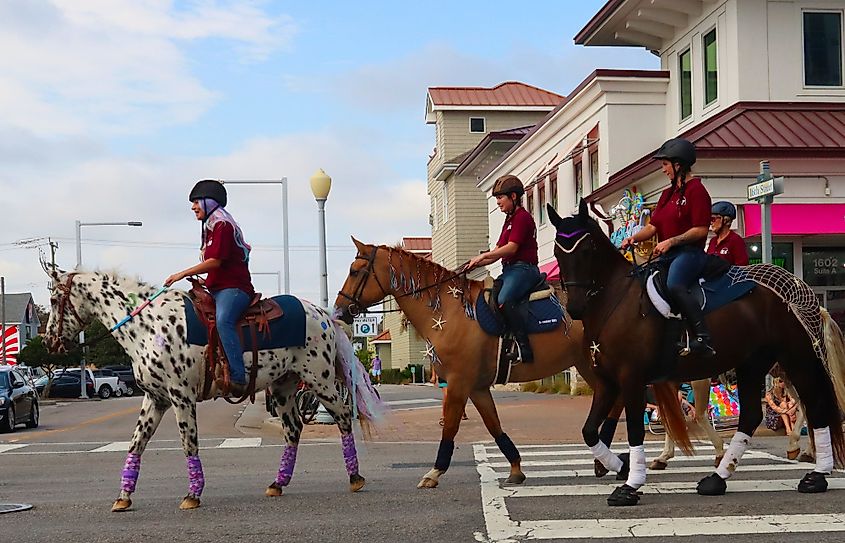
column 779, row 319
column 438, row 303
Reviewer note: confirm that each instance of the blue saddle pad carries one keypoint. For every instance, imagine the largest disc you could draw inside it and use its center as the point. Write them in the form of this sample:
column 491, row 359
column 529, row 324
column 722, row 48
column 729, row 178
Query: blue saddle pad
column 713, row 293
column 539, row 316
column 286, row 331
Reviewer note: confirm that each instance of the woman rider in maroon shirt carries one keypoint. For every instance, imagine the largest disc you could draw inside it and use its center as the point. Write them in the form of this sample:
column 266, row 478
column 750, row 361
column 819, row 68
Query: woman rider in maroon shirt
column 681, row 221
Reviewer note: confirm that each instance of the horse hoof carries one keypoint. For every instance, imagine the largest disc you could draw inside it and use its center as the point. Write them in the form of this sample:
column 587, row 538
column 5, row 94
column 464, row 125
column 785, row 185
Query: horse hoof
column 813, row 483
column 807, row 457
column 515, row 478
column 599, row 469
column 622, row 474
column 623, row 495
column 658, row 465
column 792, row 455
column 189, row 502
column 274, row 490
column 356, row 482
column 121, row 505
column 712, row 485
column 718, row 460
column 427, row 482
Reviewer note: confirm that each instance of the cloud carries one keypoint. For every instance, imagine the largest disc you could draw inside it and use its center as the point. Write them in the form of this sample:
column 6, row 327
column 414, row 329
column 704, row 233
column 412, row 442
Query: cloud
column 117, row 67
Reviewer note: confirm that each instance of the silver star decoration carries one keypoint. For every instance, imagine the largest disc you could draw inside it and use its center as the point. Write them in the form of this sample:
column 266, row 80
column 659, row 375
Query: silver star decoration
column 429, row 351
column 455, row 291
column 595, row 350
column 438, row 323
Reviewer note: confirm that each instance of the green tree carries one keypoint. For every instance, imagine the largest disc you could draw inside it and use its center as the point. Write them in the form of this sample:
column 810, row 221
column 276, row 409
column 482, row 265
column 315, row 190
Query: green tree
column 107, row 350
column 36, row 355
column 366, row 357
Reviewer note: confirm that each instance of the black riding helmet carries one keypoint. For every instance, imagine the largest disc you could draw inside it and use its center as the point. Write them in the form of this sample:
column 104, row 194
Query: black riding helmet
column 677, row 150
column 209, row 188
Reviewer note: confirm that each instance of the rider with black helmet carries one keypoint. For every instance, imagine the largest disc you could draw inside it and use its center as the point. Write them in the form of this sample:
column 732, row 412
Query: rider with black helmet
column 224, row 257
column 517, row 247
column 681, row 221
column 726, row 244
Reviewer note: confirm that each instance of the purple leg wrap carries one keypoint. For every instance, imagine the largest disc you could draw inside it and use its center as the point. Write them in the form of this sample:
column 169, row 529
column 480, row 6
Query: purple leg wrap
column 196, row 479
column 130, row 472
column 349, row 454
column 286, row 465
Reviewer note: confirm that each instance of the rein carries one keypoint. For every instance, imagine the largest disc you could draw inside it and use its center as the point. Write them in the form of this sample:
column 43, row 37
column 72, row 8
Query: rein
column 357, row 307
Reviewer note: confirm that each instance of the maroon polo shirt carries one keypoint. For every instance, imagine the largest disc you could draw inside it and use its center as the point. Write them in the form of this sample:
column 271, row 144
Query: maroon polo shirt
column 732, row 249
column 519, row 228
column 675, row 214
column 233, row 271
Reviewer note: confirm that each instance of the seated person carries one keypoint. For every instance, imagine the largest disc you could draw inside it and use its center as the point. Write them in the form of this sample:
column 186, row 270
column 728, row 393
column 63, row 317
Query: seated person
column 780, row 407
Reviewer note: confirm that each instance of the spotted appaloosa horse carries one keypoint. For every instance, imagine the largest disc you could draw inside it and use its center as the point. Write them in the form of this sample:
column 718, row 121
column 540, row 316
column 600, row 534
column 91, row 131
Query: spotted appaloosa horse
column 171, row 372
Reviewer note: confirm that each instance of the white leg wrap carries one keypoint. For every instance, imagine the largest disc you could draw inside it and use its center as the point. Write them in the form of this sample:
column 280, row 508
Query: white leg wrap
column 636, row 475
column 607, row 458
column 824, row 450
column 733, row 455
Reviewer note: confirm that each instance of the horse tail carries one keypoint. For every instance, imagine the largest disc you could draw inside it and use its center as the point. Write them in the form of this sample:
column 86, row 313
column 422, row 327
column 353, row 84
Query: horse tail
column 370, row 408
column 666, row 394
column 834, row 363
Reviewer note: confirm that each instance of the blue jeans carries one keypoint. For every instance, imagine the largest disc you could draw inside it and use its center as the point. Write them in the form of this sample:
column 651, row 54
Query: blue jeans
column 231, row 304
column 685, row 269
column 517, row 280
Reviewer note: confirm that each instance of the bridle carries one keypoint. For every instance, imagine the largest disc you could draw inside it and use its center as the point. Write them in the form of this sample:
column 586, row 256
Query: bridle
column 590, row 286
column 64, row 302
column 356, row 307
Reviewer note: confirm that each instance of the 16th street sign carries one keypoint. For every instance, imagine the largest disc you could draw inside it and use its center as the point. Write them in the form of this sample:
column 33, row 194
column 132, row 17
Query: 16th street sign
column 766, row 187
column 365, row 326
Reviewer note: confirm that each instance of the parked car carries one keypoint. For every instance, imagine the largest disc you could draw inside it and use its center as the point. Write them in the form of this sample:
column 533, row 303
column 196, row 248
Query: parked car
column 122, row 387
column 104, row 385
column 65, row 385
column 18, row 400
column 126, row 375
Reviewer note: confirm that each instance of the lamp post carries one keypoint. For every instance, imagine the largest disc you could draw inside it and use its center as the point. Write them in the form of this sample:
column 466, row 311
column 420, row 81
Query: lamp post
column 321, row 184
column 83, row 394
column 285, row 243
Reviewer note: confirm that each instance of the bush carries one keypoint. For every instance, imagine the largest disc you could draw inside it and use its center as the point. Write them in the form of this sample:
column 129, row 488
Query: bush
column 583, row 389
column 542, row 389
column 530, row 386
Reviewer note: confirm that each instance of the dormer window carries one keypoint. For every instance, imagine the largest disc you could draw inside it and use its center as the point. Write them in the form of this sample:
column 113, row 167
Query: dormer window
column 823, row 48
column 477, row 125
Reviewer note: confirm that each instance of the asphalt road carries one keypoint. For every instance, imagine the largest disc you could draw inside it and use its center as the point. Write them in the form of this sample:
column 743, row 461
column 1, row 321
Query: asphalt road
column 69, row 469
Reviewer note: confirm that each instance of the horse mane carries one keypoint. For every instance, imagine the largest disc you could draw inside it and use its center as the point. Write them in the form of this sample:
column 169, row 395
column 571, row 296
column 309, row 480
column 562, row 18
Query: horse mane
column 426, row 265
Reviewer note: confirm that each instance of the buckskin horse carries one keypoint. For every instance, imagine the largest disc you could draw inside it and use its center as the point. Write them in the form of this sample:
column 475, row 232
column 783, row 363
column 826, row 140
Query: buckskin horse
column 438, row 303
column 777, row 319
column 171, row 371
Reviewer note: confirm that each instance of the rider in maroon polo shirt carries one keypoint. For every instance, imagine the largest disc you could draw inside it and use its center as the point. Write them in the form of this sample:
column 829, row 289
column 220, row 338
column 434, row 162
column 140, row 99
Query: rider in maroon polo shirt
column 726, row 244
column 681, row 221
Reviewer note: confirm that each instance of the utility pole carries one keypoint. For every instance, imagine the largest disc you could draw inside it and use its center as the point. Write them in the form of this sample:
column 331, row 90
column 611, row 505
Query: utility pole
column 3, row 316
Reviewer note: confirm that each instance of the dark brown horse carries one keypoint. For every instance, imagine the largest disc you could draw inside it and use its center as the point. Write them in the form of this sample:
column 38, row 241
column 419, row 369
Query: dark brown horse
column 437, row 301
column 778, row 320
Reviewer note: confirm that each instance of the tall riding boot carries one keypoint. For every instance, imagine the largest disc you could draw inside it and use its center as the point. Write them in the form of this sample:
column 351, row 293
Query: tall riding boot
column 699, row 334
column 516, row 326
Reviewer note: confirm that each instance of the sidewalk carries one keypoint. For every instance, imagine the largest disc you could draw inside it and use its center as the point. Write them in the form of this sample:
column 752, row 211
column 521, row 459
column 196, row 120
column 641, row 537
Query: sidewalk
column 536, row 419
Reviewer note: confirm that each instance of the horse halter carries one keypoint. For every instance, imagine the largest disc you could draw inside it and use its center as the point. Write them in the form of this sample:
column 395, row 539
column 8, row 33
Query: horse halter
column 357, row 305
column 590, row 286
column 64, row 302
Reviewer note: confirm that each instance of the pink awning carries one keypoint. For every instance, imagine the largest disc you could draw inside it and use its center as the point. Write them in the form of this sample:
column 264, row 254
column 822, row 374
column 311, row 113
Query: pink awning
column 797, row 219
column 551, row 270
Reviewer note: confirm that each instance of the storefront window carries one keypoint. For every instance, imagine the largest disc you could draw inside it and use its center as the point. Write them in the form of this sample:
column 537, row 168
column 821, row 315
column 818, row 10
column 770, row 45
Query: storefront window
column 781, row 254
column 824, row 267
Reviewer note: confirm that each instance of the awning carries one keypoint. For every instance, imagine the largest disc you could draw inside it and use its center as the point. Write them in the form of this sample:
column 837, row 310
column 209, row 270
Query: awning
column 551, row 270
column 797, row 219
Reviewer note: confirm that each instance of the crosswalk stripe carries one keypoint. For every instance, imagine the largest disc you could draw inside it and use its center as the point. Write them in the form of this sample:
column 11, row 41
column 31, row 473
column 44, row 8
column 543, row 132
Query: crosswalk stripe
column 678, row 487
column 240, row 442
column 589, row 461
column 583, row 452
column 114, row 446
column 11, row 446
column 411, row 402
column 580, row 473
column 621, row 445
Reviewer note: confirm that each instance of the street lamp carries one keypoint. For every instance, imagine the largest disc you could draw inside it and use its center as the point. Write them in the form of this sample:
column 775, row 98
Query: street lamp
column 83, row 395
column 321, row 184
column 285, row 243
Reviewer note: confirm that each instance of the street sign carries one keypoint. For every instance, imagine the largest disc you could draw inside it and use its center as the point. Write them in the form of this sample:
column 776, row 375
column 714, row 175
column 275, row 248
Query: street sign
column 365, row 326
column 766, row 187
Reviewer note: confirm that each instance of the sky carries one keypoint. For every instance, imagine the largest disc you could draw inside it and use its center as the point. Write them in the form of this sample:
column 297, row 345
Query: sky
column 111, row 110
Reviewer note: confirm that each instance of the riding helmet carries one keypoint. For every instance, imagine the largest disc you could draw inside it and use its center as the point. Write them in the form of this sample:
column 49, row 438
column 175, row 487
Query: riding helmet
column 507, row 184
column 726, row 209
column 677, row 150
column 209, row 188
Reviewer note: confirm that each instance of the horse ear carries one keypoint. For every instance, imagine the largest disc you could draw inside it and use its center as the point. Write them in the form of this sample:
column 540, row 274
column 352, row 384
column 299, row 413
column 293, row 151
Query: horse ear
column 583, row 212
column 553, row 216
column 359, row 245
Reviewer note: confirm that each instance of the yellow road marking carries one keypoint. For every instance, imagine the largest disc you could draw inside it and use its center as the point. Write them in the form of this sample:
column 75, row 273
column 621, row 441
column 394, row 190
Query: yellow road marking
column 41, row 433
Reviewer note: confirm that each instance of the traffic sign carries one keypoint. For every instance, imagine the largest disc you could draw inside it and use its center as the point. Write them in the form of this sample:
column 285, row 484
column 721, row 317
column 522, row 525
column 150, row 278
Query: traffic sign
column 365, row 326
column 765, row 187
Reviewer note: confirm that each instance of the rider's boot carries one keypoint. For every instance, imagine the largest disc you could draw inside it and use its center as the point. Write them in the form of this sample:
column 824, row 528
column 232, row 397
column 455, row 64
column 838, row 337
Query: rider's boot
column 515, row 325
column 699, row 343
